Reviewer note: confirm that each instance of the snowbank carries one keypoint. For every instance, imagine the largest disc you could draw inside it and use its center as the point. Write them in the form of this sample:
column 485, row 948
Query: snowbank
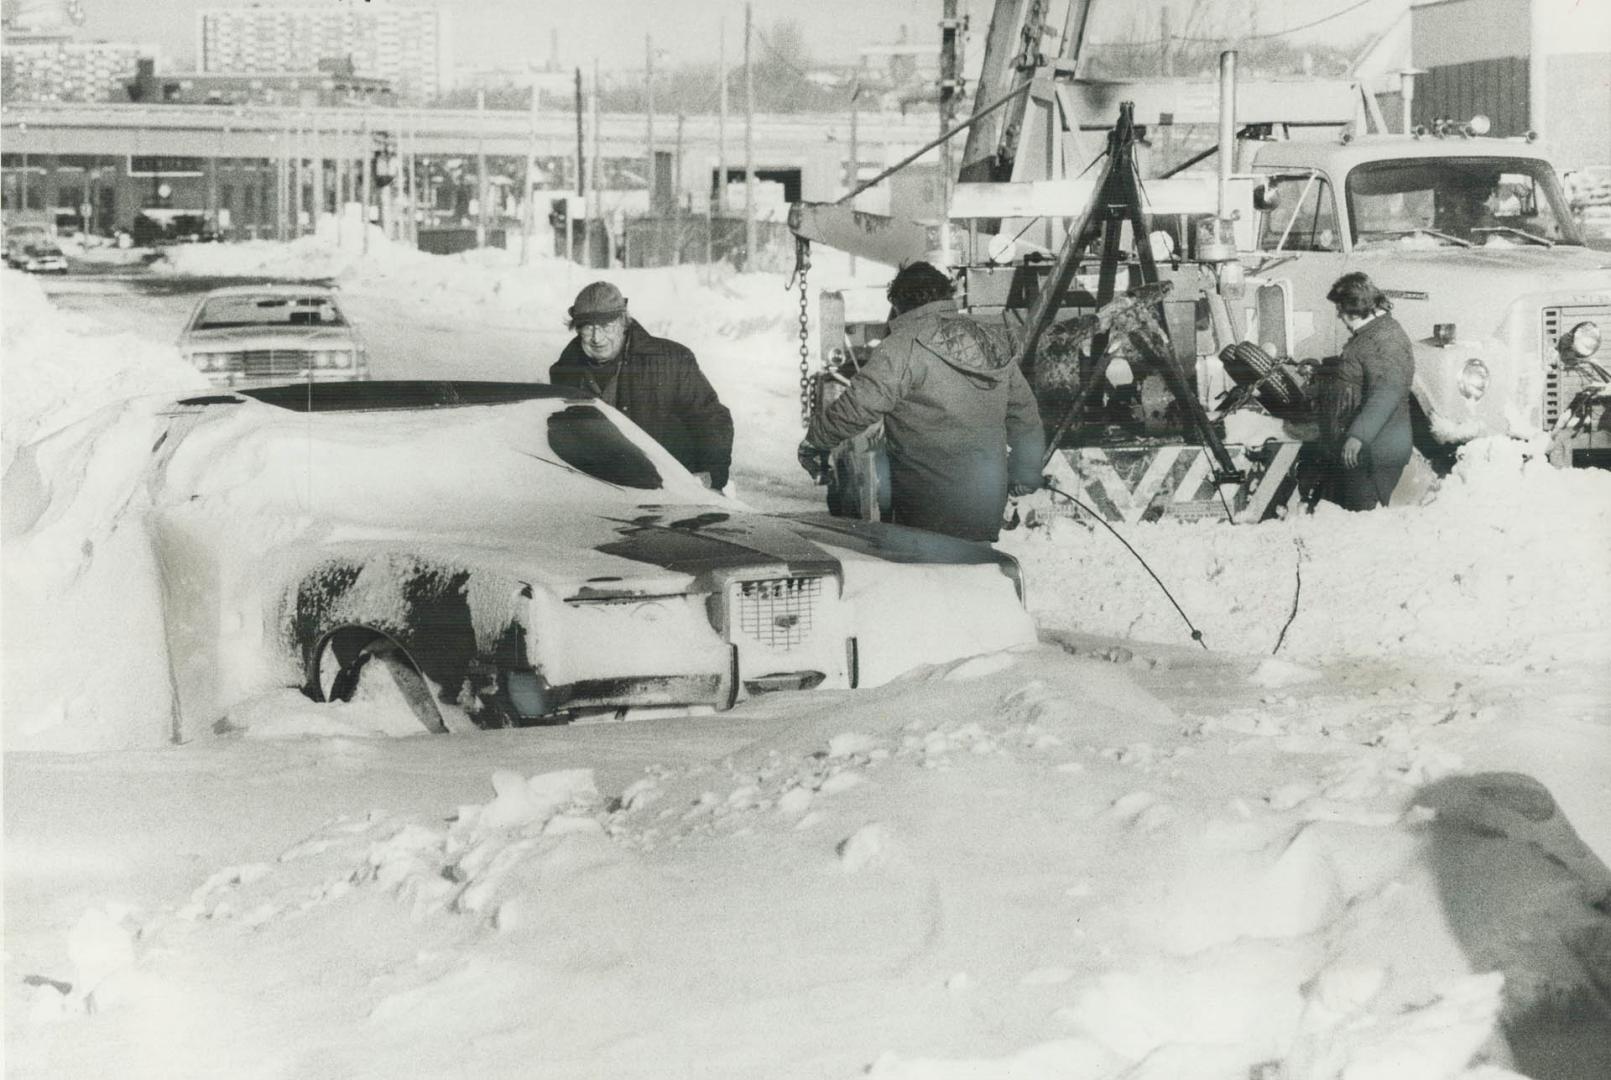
column 1506, row 561
column 56, row 369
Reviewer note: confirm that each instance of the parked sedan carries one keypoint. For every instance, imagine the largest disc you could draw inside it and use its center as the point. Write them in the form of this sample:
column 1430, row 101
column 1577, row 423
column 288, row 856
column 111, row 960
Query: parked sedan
column 44, row 259
column 510, row 554
column 256, row 335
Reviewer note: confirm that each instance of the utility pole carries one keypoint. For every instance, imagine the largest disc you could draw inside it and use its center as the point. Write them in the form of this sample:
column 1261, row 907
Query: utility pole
column 721, row 124
column 282, row 184
column 750, row 235
column 1167, row 37
column 676, row 196
column 598, row 239
column 853, row 166
column 481, row 168
column 648, row 82
column 950, row 72
column 366, row 164
column 529, row 213
column 296, row 183
column 581, row 175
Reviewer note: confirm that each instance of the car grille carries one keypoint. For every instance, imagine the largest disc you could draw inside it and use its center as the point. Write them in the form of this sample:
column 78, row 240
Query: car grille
column 271, row 363
column 778, row 614
column 1561, row 383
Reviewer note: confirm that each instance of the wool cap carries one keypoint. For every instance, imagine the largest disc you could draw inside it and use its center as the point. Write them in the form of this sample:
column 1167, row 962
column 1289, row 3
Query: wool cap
column 598, row 302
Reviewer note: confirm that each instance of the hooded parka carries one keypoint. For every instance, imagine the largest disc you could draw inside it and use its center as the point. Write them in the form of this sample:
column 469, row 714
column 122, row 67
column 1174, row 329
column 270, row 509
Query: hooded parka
column 953, row 402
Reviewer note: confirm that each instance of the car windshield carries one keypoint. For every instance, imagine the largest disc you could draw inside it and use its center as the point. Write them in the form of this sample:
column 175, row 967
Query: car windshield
column 224, row 312
column 583, row 438
column 1458, row 202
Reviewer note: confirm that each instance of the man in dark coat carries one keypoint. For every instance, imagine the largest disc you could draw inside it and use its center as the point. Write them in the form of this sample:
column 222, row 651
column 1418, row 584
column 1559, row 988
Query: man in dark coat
column 952, row 402
column 654, row 381
column 1365, row 412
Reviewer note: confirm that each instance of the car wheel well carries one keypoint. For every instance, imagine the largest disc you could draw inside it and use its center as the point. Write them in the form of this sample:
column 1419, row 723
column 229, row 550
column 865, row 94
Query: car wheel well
column 352, row 648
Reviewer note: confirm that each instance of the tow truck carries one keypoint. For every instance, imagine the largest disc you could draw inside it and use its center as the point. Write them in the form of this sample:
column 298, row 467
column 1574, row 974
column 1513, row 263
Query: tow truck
column 1169, row 320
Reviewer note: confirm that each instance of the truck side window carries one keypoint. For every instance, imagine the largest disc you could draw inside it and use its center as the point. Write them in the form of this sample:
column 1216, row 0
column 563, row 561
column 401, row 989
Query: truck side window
column 1304, row 217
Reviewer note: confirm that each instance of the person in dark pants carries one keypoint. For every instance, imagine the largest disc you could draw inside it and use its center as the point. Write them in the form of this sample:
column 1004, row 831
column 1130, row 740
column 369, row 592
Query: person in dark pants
column 953, row 403
column 1365, row 410
column 655, row 381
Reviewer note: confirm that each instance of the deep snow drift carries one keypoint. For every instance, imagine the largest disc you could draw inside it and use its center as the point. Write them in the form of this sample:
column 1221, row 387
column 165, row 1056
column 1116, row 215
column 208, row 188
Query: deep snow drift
column 1096, row 858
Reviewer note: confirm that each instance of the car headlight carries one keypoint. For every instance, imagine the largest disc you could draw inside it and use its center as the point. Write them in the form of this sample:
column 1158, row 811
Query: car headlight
column 205, row 361
column 1474, row 379
column 333, row 358
column 1582, row 341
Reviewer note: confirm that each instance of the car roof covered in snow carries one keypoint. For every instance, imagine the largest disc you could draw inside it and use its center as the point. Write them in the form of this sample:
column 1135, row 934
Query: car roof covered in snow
column 386, row 394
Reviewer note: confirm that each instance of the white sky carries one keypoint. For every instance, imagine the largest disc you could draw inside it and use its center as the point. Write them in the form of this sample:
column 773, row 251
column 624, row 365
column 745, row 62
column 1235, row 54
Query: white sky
column 509, row 31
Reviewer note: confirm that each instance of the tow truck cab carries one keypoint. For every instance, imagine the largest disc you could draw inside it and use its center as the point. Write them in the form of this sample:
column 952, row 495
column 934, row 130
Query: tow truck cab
column 1472, row 240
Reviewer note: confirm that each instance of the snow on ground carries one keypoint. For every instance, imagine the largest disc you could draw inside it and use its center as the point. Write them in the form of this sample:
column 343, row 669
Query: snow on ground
column 1111, row 855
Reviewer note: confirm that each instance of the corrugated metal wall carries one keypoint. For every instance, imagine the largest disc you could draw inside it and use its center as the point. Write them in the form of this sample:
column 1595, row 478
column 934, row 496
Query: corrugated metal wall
column 1496, row 88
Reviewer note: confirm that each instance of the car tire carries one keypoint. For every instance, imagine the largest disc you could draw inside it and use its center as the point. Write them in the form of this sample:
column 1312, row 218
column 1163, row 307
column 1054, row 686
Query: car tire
column 383, row 668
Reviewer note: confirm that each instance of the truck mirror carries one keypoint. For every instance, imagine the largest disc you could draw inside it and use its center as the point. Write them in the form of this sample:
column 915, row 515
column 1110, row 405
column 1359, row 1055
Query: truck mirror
column 1266, row 197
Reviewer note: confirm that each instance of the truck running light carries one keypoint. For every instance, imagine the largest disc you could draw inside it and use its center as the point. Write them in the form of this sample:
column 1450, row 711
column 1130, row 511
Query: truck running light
column 1474, row 379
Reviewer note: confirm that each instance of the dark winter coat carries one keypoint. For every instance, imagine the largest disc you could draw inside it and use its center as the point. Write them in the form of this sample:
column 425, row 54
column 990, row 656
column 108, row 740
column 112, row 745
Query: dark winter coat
column 1369, row 399
column 658, row 385
column 953, row 402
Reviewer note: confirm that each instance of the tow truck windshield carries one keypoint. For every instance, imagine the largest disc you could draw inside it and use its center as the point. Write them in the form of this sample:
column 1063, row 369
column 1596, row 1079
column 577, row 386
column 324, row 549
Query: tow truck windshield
column 1458, row 202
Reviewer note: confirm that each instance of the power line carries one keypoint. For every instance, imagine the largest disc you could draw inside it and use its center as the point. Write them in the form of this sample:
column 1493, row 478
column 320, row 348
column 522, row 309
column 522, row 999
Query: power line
column 1229, row 37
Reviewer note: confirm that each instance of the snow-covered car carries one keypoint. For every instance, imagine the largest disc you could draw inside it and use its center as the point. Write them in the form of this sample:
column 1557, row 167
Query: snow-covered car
column 44, row 259
column 259, row 335
column 508, row 554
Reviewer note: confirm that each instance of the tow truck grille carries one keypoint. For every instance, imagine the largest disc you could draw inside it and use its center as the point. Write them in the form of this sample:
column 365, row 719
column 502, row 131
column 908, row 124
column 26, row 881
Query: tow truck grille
column 271, row 363
column 1561, row 384
column 778, row 614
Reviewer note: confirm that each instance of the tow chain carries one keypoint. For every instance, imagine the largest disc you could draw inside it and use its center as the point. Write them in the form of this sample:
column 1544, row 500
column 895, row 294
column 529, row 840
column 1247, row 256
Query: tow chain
column 802, row 270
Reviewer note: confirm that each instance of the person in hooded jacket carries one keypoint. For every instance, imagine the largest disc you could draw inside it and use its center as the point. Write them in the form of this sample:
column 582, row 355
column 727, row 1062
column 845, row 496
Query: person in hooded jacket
column 1365, row 407
column 961, row 426
column 656, row 382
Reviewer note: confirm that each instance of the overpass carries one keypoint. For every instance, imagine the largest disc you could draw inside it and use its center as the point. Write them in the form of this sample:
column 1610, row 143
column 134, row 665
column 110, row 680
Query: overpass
column 116, row 160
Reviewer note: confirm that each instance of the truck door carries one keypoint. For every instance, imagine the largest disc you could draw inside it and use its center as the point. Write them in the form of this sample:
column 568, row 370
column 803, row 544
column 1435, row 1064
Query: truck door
column 1300, row 239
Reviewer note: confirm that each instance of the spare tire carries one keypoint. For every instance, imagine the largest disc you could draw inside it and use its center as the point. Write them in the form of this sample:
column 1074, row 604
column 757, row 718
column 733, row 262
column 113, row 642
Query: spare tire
column 1278, row 390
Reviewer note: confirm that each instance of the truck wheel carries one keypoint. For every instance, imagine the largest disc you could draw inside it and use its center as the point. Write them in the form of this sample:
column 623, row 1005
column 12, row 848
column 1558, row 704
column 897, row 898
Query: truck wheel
column 1278, row 391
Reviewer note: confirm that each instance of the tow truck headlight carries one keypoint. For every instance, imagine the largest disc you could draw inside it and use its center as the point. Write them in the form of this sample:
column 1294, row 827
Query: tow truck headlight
column 1474, row 379
column 1582, row 341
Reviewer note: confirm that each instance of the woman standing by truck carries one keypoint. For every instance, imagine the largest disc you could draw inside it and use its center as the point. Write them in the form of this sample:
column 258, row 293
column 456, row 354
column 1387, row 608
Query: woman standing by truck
column 1365, row 409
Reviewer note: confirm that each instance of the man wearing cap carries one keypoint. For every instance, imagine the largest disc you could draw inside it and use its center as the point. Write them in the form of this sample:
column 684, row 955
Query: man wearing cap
column 654, row 381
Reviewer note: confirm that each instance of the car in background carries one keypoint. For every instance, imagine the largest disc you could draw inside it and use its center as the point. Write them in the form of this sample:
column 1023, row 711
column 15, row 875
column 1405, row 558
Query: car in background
column 486, row 554
column 19, row 238
column 255, row 335
column 44, row 258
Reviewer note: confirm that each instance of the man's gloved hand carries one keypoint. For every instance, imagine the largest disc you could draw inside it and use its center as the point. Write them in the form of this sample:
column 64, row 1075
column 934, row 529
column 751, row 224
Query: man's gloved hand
column 716, row 479
column 1018, row 490
column 813, row 460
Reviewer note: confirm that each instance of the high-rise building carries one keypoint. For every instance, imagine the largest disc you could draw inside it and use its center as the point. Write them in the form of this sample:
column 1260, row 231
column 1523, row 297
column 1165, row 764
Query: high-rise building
column 406, row 42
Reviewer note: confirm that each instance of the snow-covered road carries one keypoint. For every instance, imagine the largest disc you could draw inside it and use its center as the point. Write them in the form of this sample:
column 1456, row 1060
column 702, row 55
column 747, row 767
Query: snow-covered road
column 1113, row 855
